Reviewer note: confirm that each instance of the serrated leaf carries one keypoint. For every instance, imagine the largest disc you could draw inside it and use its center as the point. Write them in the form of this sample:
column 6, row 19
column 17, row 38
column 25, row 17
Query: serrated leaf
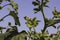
column 15, row 16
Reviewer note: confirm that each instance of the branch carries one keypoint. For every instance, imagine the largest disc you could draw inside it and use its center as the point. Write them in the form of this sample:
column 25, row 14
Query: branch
column 4, row 17
column 6, row 5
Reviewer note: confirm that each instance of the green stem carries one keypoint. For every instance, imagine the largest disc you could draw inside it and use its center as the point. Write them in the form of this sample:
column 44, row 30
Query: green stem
column 42, row 10
column 29, row 34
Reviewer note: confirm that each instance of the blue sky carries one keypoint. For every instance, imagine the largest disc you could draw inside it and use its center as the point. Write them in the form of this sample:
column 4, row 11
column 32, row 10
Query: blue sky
column 26, row 9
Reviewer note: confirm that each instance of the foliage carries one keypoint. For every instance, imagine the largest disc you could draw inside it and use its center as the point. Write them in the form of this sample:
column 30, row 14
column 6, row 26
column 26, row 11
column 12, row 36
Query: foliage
column 31, row 22
column 12, row 32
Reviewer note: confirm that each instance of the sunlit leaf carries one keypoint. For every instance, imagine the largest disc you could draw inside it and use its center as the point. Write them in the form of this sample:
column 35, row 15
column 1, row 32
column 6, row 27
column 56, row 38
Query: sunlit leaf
column 56, row 14
column 31, row 22
column 14, row 5
column 27, row 18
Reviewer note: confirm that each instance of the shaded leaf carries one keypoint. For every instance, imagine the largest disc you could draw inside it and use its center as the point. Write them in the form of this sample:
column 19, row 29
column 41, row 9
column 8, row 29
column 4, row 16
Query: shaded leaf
column 38, row 1
column 47, row 0
column 1, row 7
column 15, row 16
column 36, row 10
column 54, row 26
column 2, row 28
column 46, row 6
column 35, row 3
column 1, row 1
column 20, row 36
column 58, row 27
column 8, row 0
column 9, row 23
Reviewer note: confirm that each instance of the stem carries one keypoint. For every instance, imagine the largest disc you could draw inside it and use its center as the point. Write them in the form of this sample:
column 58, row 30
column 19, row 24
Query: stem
column 6, row 5
column 34, row 33
column 4, row 17
column 29, row 34
column 42, row 10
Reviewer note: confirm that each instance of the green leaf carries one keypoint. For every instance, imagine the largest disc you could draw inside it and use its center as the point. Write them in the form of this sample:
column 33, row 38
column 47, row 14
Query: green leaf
column 36, row 10
column 11, row 32
column 1, row 20
column 2, row 28
column 20, row 36
column 58, row 27
column 15, row 16
column 56, row 14
column 14, row 5
column 44, row 4
column 47, row 0
column 1, row 7
column 27, row 18
column 1, row 1
column 9, row 23
column 38, row 1
column 8, row 0
column 31, row 22
column 54, row 26
column 35, row 3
